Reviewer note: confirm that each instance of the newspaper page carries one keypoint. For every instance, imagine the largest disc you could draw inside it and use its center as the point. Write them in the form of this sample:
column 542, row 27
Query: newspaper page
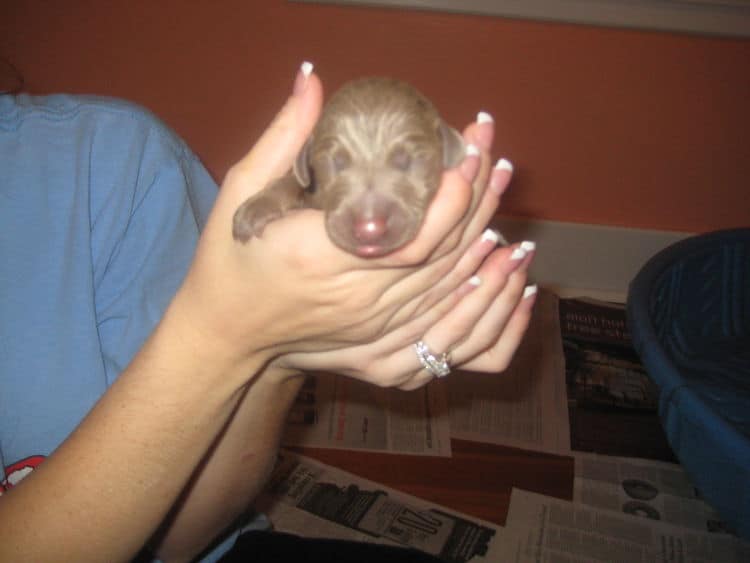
column 540, row 528
column 338, row 412
column 612, row 401
column 651, row 489
column 603, row 368
column 526, row 406
column 311, row 499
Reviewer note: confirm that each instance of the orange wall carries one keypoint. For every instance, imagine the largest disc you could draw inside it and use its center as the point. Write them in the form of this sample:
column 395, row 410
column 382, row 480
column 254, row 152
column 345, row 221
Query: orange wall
column 605, row 126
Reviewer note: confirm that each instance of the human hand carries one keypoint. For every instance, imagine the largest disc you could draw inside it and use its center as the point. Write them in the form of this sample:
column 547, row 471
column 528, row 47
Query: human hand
column 484, row 324
column 292, row 290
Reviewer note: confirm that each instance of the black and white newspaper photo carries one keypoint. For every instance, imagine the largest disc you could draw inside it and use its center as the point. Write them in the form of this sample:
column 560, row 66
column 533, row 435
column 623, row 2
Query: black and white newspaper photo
column 311, row 499
column 650, row 489
column 546, row 529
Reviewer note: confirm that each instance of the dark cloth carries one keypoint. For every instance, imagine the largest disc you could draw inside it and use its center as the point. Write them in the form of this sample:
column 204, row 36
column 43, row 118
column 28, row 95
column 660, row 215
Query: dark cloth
column 276, row 547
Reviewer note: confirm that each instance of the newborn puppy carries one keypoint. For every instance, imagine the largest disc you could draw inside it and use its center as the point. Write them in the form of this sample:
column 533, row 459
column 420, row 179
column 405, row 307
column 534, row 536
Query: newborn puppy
column 372, row 164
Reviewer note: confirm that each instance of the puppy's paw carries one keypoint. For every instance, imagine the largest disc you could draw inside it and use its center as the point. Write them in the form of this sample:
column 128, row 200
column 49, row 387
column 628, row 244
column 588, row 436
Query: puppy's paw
column 272, row 203
column 252, row 217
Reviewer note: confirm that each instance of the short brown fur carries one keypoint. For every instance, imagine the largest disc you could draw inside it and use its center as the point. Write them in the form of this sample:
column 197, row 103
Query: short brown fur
column 372, row 164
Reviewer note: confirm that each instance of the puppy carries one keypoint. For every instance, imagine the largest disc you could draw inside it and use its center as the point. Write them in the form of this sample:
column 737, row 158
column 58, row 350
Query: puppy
column 372, row 164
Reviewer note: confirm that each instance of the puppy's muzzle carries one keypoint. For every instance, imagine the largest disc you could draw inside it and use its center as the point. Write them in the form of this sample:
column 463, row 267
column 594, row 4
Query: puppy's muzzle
column 371, row 226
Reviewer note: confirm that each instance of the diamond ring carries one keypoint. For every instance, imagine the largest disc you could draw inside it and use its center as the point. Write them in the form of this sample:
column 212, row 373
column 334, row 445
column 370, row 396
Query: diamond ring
column 437, row 366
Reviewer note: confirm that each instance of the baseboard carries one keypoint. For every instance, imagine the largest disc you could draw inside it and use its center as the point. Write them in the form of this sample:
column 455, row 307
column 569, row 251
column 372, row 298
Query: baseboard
column 575, row 259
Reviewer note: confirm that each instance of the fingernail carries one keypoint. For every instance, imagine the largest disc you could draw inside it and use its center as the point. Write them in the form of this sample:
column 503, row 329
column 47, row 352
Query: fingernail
column 470, row 166
column 492, row 235
column 499, row 178
column 476, row 281
column 300, row 82
column 529, row 290
column 484, row 117
column 528, row 246
column 504, row 164
column 518, row 254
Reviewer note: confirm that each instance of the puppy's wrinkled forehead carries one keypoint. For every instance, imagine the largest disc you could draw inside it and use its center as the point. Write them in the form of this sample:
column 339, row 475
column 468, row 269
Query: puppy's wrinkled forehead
column 372, row 114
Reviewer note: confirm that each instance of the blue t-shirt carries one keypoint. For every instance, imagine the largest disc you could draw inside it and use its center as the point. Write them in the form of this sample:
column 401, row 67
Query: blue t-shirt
column 101, row 206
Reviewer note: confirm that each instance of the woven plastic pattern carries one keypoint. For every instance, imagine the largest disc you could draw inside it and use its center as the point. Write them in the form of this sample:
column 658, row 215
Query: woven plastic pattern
column 689, row 315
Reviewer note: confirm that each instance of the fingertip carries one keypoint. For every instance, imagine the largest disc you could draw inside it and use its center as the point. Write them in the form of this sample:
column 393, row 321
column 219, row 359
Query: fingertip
column 448, row 207
column 491, row 235
column 307, row 95
column 500, row 176
column 481, row 132
column 469, row 167
column 529, row 291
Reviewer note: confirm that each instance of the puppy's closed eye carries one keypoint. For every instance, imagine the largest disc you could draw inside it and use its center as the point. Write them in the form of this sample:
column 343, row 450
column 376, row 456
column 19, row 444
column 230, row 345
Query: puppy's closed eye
column 400, row 159
column 341, row 160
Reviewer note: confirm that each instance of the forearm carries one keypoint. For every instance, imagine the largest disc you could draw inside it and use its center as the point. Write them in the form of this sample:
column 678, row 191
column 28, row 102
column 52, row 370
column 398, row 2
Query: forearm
column 103, row 492
column 235, row 469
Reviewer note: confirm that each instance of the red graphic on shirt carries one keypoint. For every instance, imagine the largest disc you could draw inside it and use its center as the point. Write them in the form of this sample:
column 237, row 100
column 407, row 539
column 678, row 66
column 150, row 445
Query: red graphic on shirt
column 17, row 471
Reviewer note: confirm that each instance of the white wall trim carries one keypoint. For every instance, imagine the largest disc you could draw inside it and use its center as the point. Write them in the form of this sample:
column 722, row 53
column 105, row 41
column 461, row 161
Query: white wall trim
column 574, row 259
column 715, row 17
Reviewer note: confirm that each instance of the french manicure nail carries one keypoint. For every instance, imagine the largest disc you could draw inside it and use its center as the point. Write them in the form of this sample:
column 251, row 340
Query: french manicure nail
column 528, row 246
column 529, row 290
column 504, row 164
column 305, row 70
column 484, row 117
column 491, row 235
column 498, row 179
column 472, row 150
column 518, row 254
column 476, row 281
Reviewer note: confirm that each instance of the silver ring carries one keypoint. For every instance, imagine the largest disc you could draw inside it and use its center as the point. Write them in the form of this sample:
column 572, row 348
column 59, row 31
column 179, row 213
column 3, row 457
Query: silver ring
column 439, row 367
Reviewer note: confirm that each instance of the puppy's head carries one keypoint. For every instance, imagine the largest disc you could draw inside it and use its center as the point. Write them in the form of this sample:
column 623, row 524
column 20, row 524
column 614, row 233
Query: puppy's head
column 374, row 163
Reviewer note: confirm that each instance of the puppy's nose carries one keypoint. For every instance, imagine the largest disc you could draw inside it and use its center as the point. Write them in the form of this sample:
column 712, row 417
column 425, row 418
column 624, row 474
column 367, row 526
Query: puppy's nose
column 370, row 230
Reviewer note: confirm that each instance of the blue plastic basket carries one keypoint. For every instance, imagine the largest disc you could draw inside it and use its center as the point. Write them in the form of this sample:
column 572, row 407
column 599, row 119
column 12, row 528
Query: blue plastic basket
column 689, row 316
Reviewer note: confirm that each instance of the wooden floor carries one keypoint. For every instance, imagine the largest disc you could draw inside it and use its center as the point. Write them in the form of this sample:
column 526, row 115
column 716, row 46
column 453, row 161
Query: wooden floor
column 477, row 480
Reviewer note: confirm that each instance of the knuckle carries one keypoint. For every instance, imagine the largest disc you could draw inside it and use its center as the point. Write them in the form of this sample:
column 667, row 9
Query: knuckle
column 500, row 362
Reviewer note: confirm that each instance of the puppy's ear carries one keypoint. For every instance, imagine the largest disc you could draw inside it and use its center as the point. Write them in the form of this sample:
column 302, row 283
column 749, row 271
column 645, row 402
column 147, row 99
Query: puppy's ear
column 301, row 166
column 454, row 149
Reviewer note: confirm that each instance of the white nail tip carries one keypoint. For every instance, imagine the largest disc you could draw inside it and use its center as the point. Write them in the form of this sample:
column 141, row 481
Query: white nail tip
column 475, row 281
column 518, row 254
column 484, row 117
column 529, row 290
column 307, row 68
column 528, row 246
column 504, row 164
column 491, row 235
column 472, row 150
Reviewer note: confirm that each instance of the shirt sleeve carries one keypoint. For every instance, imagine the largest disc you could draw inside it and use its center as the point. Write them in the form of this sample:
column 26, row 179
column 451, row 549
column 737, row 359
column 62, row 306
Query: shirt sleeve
column 143, row 236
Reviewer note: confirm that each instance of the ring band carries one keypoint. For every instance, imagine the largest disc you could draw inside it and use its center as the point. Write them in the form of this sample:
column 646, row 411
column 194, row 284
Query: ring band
column 439, row 367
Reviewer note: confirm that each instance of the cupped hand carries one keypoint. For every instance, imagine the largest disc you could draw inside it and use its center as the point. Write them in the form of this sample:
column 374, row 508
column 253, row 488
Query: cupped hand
column 294, row 291
column 480, row 326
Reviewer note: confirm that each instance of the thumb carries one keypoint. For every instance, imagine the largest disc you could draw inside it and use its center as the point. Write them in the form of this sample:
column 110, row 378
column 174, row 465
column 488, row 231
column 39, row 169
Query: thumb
column 274, row 153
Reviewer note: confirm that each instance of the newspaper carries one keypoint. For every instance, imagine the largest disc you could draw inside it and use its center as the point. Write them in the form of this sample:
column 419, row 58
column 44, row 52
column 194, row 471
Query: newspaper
column 612, row 400
column 311, row 499
column 651, row 489
column 602, row 367
column 526, row 406
column 338, row 412
column 540, row 528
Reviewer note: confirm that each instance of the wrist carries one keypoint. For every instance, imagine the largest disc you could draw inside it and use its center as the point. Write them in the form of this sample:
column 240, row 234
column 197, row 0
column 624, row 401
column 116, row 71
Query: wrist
column 214, row 354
